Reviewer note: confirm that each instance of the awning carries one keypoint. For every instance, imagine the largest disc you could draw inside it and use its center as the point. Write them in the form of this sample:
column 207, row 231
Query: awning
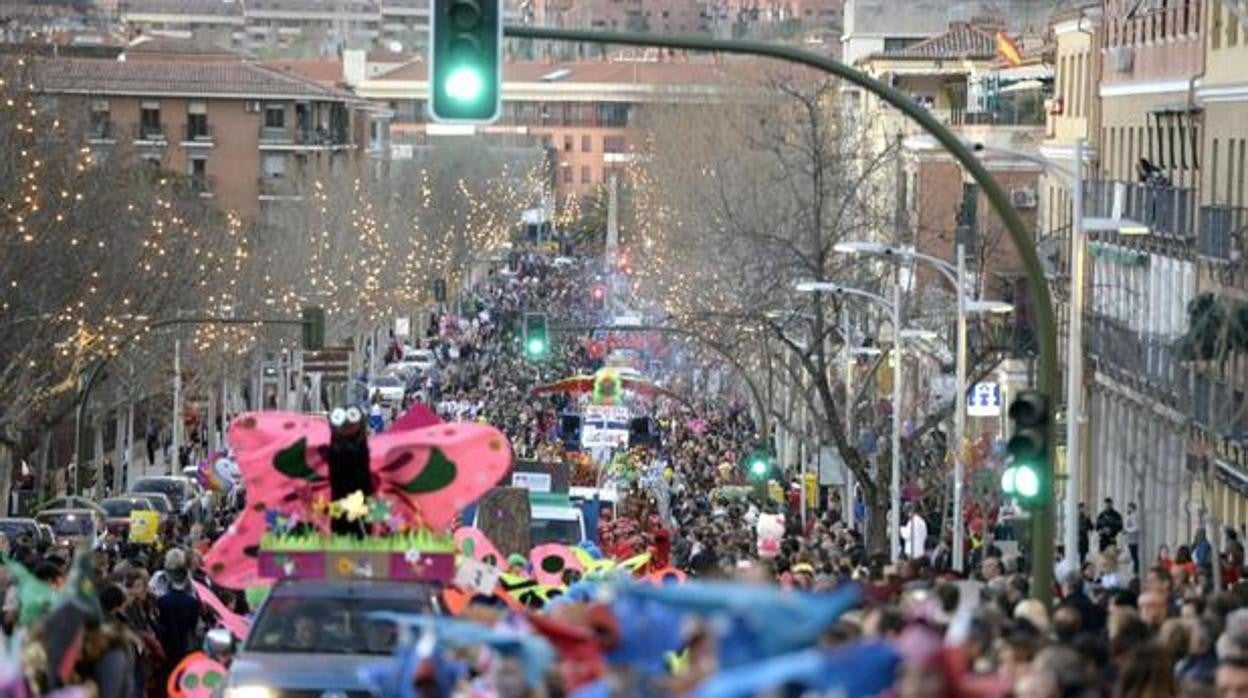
column 1023, row 86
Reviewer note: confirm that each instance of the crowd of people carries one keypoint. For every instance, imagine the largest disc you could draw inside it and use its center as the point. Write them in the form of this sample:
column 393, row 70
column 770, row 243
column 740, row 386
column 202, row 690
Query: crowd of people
column 1121, row 625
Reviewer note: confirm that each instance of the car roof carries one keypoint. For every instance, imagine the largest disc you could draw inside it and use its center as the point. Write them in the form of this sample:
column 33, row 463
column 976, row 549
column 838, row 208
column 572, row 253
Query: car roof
column 61, row 512
column 131, row 499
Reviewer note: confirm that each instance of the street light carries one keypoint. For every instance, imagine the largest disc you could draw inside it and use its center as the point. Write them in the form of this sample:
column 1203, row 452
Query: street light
column 894, row 308
column 955, row 274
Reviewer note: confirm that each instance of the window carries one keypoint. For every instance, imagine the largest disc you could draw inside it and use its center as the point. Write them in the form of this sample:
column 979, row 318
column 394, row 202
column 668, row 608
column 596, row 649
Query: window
column 613, row 144
column 567, row 173
column 101, row 125
column 898, row 43
column 586, row 176
column 197, row 121
column 199, row 174
column 567, row 143
column 274, row 116
column 149, row 120
column 587, row 144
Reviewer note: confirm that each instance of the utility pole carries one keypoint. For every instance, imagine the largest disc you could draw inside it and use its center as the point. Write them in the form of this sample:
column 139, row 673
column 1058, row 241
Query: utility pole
column 894, row 517
column 1074, row 367
column 959, row 420
column 177, row 406
column 846, row 331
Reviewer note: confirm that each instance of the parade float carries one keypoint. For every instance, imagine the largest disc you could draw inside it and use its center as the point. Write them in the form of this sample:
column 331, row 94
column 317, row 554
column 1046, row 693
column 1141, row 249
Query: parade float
column 327, row 500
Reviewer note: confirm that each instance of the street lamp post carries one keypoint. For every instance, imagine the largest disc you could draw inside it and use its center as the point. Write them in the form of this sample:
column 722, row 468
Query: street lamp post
column 894, row 307
column 955, row 274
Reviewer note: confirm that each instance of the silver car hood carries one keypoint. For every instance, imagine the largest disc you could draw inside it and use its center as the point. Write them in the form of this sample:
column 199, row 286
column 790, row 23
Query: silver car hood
column 280, row 671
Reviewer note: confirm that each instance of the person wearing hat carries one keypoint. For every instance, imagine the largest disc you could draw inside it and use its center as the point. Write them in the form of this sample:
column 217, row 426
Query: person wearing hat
column 177, row 611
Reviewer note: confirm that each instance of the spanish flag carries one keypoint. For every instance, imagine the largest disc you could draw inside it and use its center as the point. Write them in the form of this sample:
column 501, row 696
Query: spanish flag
column 1007, row 50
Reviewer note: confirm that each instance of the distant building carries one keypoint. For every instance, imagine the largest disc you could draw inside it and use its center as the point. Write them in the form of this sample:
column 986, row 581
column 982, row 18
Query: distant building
column 240, row 131
column 585, row 115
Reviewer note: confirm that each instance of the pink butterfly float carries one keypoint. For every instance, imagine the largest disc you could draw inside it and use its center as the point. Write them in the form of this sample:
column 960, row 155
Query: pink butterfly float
column 426, row 474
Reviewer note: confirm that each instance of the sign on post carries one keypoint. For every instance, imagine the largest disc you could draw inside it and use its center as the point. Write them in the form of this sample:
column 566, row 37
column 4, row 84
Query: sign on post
column 984, row 400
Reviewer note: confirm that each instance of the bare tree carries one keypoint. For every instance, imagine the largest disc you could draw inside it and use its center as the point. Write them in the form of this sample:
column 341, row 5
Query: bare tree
column 736, row 205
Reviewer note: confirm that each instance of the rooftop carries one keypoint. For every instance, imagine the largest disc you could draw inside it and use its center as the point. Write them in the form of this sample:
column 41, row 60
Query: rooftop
column 640, row 73
column 225, row 8
column 181, row 78
column 959, row 42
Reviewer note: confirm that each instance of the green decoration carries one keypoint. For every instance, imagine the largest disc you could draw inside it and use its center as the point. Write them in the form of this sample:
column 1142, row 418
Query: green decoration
column 438, row 473
column 293, row 462
column 378, row 510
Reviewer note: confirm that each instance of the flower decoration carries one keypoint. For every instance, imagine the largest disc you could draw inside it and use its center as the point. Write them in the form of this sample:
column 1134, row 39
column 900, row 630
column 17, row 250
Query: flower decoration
column 378, row 510
column 354, row 506
column 345, row 566
column 412, row 556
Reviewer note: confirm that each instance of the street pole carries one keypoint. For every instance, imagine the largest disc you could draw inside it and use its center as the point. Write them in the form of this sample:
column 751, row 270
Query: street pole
column 177, row 405
column 959, row 419
column 1074, row 366
column 894, row 516
column 846, row 328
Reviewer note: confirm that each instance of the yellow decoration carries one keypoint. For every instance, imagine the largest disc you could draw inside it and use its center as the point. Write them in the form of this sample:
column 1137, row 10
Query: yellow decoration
column 144, row 527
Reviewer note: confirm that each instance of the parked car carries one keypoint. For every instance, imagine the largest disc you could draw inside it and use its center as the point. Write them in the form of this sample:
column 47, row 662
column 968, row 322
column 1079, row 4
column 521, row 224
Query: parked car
column 311, row 637
column 118, row 511
column 74, row 527
column 388, row 389
column 159, row 502
column 423, row 359
column 183, row 494
column 26, row 531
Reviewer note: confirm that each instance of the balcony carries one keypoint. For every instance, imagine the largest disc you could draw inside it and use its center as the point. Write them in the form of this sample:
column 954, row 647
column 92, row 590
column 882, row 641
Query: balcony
column 101, row 131
column 1149, row 363
column 1168, row 211
column 204, row 185
column 150, row 133
column 278, row 188
column 197, row 134
column 1221, row 232
column 303, row 137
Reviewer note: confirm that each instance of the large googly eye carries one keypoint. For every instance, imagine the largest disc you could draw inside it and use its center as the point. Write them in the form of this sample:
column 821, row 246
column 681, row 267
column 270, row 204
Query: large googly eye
column 354, row 415
column 338, row 417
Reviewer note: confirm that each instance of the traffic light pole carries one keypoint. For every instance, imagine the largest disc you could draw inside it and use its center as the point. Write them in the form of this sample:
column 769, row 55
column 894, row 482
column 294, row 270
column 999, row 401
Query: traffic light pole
column 1042, row 538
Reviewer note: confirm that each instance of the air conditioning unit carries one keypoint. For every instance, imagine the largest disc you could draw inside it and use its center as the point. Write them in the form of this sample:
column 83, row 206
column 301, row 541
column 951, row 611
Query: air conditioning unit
column 1121, row 59
column 252, row 106
column 1023, row 198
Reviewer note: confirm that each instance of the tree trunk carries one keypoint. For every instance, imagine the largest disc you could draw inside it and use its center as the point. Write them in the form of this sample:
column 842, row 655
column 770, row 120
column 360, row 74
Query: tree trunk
column 45, row 460
column 876, row 538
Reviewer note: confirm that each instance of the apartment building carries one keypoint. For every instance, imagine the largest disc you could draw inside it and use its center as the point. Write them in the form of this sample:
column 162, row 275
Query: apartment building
column 239, row 131
column 1142, row 274
column 585, row 115
column 958, row 77
column 1219, row 427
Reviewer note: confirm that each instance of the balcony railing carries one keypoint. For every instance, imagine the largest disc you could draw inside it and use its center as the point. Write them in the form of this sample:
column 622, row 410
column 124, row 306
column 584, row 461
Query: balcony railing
column 278, row 186
column 101, row 130
column 1221, row 232
column 202, row 184
column 1168, row 211
column 303, row 136
column 198, row 133
column 149, row 132
column 1146, row 360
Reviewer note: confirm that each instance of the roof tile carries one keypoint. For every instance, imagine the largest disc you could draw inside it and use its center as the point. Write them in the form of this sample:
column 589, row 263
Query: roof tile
column 960, row 41
column 240, row 79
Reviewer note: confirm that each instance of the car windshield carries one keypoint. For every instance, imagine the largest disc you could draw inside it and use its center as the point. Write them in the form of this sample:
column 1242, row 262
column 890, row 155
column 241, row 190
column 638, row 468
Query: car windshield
column 14, row 529
column 388, row 382
column 566, row 531
column 298, row 624
column 76, row 524
column 121, row 508
column 160, row 505
column 172, row 489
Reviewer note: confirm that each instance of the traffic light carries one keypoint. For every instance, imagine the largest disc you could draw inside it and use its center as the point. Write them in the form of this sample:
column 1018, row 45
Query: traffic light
column 465, row 60
column 536, row 336
column 1028, row 464
column 313, row 319
column 599, row 293
column 758, row 466
column 439, row 290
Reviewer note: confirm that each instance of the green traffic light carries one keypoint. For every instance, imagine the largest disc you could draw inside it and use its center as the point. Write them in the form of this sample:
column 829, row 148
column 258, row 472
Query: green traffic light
column 758, row 468
column 464, row 84
column 536, row 346
column 1026, row 482
column 1009, row 481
